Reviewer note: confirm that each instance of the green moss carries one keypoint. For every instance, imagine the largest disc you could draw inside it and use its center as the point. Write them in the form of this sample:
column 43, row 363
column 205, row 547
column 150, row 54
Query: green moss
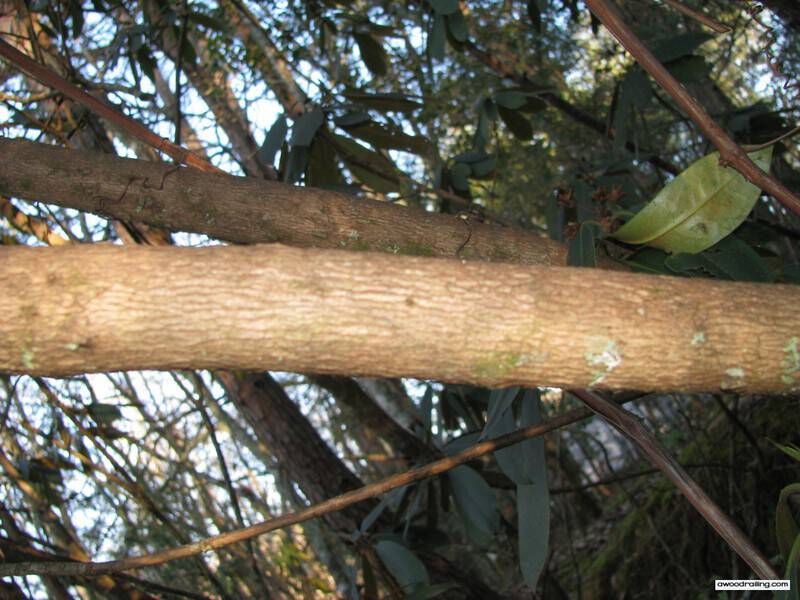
column 359, row 245
column 415, row 249
column 27, row 358
column 497, row 365
column 791, row 362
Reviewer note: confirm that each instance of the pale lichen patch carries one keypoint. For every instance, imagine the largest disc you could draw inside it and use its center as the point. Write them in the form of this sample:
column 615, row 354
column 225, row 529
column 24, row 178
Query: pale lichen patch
column 698, row 338
column 608, row 357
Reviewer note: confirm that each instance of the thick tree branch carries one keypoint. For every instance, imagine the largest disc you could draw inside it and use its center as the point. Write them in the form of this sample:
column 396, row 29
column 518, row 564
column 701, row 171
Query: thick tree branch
column 86, row 309
column 248, row 210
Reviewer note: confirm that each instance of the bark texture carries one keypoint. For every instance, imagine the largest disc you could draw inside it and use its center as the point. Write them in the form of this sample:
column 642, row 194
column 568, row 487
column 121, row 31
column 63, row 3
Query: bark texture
column 247, row 210
column 86, row 309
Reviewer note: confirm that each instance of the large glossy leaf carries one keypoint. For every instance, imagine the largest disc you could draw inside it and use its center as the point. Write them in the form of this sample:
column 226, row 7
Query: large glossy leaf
column 696, row 209
column 444, row 7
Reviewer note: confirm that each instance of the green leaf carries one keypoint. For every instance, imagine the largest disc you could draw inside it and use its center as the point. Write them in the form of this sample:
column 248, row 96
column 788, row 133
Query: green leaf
column 391, row 102
column 430, row 591
column 352, row 118
column 474, row 499
column 533, row 515
column 458, row 176
column 372, row 53
column 581, row 249
column 511, row 99
column 208, row 21
column 437, row 37
column 786, row 528
column 789, row 449
column 305, row 128
column 322, row 169
column 518, row 123
column 389, row 137
column 698, row 208
column 523, row 463
column 739, row 261
column 649, row 260
column 680, row 45
column 484, row 168
column 444, row 7
column 273, row 141
column 457, row 26
column 689, row 69
column 368, row 166
column 104, row 414
column 499, row 403
column 403, row 564
column 535, row 15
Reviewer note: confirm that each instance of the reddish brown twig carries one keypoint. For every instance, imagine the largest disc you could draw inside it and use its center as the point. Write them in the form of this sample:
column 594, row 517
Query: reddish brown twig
column 331, row 505
column 730, row 151
column 47, row 77
column 633, row 429
column 698, row 16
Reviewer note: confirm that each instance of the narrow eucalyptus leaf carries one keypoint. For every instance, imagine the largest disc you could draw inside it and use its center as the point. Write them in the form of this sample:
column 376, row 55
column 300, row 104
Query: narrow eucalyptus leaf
column 437, row 38
column 581, row 249
column 533, row 512
column 403, row 564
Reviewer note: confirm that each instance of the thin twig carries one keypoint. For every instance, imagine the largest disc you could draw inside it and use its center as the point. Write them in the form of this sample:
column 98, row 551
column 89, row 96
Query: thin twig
column 328, row 506
column 730, row 151
column 633, row 429
column 698, row 16
column 47, row 77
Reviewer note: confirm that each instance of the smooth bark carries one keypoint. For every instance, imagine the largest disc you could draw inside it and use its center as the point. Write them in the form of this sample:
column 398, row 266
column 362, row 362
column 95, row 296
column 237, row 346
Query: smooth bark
column 104, row 308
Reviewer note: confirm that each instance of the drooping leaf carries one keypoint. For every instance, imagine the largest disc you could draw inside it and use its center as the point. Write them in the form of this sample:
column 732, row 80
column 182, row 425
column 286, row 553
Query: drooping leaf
column 499, row 402
column 698, row 208
column 511, row 99
column 474, row 499
column 403, row 564
column 372, row 53
column 305, row 128
column 296, row 163
column 391, row 102
column 581, row 249
column 273, row 141
column 459, row 173
column 103, row 413
column 322, row 169
column 533, row 517
column 389, row 137
column 437, row 37
column 444, row 7
column 786, row 527
column 484, row 168
column 788, row 449
column 352, row 118
column 535, row 15
column 518, row 123
column 689, row 68
column 457, row 26
column 433, row 590
column 739, row 261
column 680, row 45
column 369, row 167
